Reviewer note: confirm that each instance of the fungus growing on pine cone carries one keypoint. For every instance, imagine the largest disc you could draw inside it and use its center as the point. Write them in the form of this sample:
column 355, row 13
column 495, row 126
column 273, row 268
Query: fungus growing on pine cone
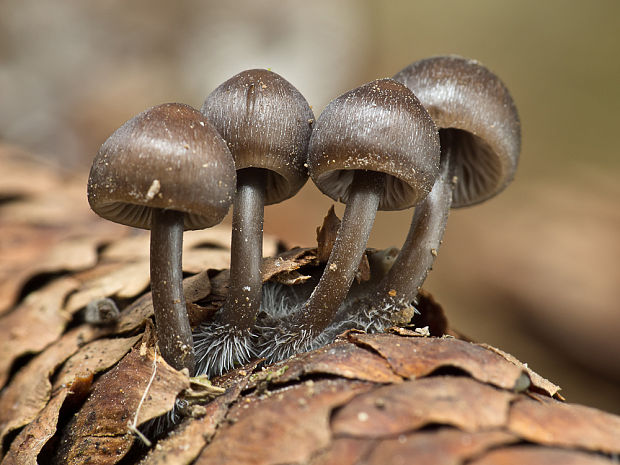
column 374, row 147
column 480, row 137
column 167, row 170
column 266, row 123
column 80, row 392
column 362, row 399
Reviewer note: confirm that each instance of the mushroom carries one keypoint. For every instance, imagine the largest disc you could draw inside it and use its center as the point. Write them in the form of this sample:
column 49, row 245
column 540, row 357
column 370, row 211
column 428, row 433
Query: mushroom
column 480, row 138
column 166, row 169
column 266, row 123
column 374, row 147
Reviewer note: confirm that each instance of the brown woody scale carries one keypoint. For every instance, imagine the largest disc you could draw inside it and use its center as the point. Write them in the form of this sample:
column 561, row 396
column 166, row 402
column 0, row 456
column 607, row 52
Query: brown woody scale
column 72, row 393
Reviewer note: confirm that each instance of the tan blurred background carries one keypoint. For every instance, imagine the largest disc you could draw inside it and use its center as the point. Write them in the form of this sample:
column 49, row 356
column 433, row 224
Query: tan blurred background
column 534, row 271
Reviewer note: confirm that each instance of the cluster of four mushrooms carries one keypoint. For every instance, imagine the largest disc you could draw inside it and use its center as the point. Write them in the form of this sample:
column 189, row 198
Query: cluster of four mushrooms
column 443, row 132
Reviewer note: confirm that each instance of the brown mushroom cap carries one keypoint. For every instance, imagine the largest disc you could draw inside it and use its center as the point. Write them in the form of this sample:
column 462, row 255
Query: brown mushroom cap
column 266, row 123
column 167, row 157
column 382, row 127
column 476, row 116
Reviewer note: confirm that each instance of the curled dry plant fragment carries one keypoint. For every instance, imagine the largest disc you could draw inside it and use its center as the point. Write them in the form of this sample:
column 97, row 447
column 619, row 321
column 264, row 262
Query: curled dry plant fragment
column 167, row 169
column 374, row 147
column 480, row 142
column 266, row 123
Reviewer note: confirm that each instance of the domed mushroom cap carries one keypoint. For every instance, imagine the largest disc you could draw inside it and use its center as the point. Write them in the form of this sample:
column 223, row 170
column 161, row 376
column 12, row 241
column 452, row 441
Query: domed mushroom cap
column 380, row 126
column 266, row 123
column 168, row 157
column 476, row 117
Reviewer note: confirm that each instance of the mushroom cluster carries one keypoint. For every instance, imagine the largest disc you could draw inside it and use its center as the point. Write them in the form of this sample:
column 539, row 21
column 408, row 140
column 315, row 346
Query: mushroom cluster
column 443, row 132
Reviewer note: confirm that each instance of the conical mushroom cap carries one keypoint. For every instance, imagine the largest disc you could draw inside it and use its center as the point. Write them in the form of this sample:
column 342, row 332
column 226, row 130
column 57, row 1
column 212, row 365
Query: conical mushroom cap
column 266, row 123
column 168, row 157
column 380, row 126
column 477, row 121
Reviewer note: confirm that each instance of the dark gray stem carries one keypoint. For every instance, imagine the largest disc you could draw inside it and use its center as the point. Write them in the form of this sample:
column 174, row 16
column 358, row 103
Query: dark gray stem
column 359, row 215
column 174, row 334
column 403, row 281
column 246, row 251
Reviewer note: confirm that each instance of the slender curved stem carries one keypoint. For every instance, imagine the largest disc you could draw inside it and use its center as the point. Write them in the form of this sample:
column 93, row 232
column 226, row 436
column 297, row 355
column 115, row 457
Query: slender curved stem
column 174, row 334
column 246, row 251
column 350, row 244
column 403, row 281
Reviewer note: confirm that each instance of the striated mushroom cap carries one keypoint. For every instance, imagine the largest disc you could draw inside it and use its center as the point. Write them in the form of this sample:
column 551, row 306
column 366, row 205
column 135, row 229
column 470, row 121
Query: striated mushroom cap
column 167, row 157
column 380, row 126
column 266, row 123
column 477, row 121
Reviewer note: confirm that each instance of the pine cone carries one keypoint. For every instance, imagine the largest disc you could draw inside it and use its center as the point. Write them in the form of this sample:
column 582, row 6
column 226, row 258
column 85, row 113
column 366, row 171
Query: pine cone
column 79, row 384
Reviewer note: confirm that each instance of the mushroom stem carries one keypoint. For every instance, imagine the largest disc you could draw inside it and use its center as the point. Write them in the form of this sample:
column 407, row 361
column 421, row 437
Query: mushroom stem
column 246, row 251
column 402, row 283
column 359, row 215
column 174, row 333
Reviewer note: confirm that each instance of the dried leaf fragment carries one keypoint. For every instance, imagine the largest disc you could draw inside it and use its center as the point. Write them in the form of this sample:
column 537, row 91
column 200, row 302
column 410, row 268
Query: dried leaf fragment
column 292, row 278
column 326, row 238
column 287, row 262
column 93, row 358
column 326, row 235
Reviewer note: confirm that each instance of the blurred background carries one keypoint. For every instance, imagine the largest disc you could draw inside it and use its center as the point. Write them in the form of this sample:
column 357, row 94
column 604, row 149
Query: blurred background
column 534, row 271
